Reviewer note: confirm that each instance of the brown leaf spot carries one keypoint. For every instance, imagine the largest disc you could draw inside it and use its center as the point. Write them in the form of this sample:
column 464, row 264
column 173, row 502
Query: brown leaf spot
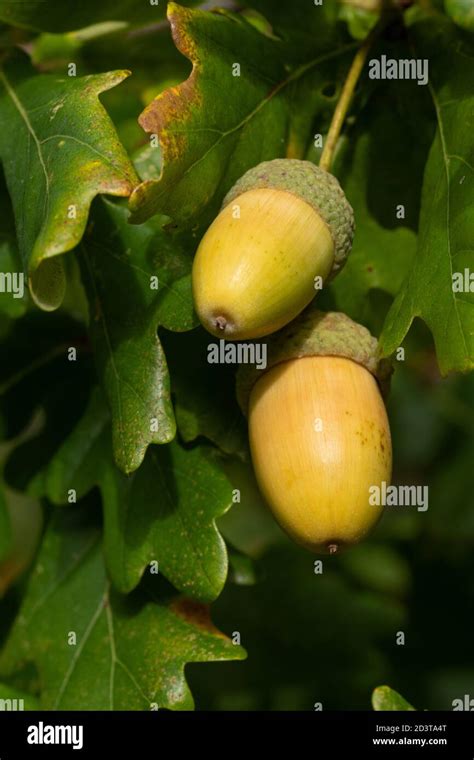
column 180, row 18
column 174, row 106
column 195, row 614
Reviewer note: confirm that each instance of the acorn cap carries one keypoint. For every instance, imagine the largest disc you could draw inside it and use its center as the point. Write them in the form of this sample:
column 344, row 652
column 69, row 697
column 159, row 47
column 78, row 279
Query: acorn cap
column 315, row 186
column 318, row 333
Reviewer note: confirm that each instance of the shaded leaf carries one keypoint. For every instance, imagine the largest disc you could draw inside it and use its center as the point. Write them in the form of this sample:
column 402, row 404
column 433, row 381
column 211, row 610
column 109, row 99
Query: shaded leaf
column 208, row 142
column 59, row 150
column 450, row 517
column 53, row 16
column 462, row 13
column 380, row 257
column 35, row 371
column 378, row 567
column 13, row 290
column 242, row 570
column 79, row 461
column 165, row 512
column 50, row 50
column 381, row 170
column 204, row 393
column 445, row 243
column 5, row 527
column 21, row 521
column 312, row 29
column 301, row 617
column 249, row 525
column 137, row 278
column 116, row 635
column 385, row 698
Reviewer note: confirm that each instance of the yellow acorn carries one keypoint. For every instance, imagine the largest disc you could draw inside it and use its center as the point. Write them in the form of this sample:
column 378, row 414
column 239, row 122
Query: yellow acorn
column 318, row 429
column 284, row 229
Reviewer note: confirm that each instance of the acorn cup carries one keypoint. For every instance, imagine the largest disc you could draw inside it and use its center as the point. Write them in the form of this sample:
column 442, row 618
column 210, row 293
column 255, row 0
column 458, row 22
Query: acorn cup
column 284, row 230
column 318, row 429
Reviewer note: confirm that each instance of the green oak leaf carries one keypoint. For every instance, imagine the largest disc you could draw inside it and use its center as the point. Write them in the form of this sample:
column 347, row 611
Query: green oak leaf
column 164, row 512
column 385, row 698
column 59, row 150
column 446, row 229
column 69, row 592
column 265, row 112
column 66, row 15
column 137, row 278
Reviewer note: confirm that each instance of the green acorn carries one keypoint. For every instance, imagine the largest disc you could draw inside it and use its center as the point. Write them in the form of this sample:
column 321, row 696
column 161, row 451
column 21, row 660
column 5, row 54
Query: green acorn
column 285, row 228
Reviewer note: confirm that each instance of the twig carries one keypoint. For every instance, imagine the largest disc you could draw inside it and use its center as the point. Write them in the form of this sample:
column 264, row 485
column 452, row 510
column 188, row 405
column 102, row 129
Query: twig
column 346, row 95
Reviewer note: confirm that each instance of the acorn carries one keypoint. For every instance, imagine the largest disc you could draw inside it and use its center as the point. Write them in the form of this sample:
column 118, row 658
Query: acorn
column 318, row 429
column 284, row 230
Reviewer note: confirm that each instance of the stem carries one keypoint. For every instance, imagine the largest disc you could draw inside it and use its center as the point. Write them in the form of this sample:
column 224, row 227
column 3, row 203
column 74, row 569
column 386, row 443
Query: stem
column 346, row 96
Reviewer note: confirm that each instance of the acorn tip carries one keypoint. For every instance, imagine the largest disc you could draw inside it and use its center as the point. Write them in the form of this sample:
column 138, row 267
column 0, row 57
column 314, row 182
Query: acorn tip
column 220, row 323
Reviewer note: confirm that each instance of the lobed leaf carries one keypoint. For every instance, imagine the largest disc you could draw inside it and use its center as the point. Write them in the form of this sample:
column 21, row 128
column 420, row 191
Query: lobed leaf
column 102, row 668
column 264, row 112
column 446, row 229
column 137, row 278
column 59, row 150
column 165, row 512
